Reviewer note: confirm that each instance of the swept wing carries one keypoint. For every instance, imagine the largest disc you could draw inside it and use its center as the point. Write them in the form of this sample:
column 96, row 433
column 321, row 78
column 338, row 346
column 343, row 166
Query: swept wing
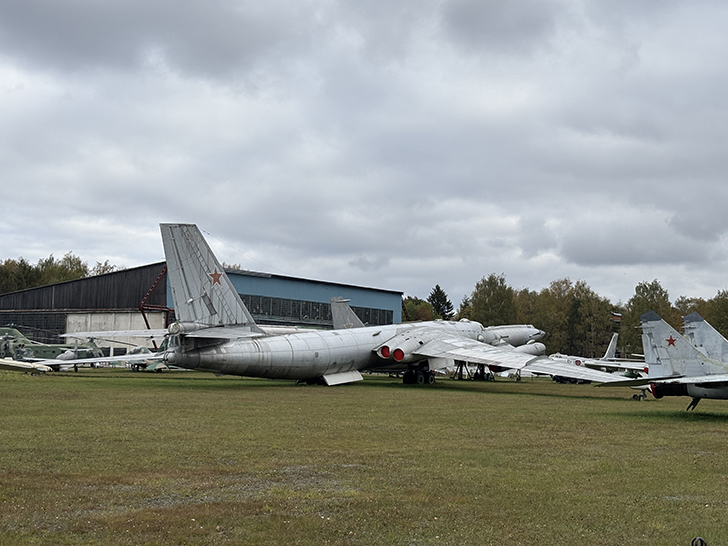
column 468, row 350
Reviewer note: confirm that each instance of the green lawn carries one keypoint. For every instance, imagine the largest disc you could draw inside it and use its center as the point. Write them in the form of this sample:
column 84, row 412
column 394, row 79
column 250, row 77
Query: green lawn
column 115, row 457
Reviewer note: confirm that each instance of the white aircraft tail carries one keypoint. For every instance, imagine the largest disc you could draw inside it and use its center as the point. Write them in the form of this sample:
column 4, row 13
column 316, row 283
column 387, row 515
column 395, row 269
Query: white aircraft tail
column 202, row 292
column 342, row 315
column 668, row 353
column 611, row 352
column 706, row 338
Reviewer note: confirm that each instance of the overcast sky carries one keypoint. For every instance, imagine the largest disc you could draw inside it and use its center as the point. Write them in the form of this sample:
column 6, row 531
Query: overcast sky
column 390, row 144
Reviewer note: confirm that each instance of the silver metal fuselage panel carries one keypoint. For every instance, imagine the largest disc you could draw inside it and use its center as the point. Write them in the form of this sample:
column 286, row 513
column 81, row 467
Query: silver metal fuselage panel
column 305, row 355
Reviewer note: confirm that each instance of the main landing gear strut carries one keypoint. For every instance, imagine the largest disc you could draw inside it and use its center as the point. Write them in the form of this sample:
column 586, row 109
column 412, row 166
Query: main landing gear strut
column 418, row 377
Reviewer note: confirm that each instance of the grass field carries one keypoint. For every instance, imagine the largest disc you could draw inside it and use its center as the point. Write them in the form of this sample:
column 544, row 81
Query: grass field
column 115, row 457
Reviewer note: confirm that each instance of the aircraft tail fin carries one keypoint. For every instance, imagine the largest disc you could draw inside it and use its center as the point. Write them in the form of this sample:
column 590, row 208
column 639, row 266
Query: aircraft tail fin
column 611, row 351
column 201, row 290
column 343, row 316
column 667, row 352
column 706, row 338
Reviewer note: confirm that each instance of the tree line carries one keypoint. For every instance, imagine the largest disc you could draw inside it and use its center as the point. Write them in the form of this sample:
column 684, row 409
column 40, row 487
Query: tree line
column 577, row 320
column 20, row 274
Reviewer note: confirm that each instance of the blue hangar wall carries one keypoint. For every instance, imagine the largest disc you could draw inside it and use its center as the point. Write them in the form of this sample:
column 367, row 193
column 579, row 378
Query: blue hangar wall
column 278, row 299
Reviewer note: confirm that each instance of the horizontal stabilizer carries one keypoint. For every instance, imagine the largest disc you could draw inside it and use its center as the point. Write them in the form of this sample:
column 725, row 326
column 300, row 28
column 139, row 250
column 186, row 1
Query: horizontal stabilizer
column 640, row 381
column 15, row 366
column 158, row 333
column 343, row 377
column 549, row 366
column 97, row 359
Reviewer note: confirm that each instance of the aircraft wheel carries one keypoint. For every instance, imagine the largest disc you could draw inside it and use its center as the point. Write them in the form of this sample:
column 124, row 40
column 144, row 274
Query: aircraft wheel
column 408, row 378
column 430, row 378
column 419, row 378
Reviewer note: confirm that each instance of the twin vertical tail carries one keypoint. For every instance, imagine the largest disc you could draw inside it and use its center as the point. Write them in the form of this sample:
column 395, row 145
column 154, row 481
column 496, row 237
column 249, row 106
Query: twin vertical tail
column 201, row 291
column 668, row 353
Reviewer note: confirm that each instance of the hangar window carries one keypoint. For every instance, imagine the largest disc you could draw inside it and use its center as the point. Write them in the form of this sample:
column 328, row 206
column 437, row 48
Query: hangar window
column 307, row 313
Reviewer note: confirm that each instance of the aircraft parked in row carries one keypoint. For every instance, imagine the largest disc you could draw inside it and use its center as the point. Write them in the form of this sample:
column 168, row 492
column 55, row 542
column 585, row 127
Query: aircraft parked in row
column 17, row 347
column 216, row 332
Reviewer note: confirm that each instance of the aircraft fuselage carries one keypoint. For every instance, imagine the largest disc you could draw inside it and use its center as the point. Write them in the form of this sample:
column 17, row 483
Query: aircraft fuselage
column 306, row 355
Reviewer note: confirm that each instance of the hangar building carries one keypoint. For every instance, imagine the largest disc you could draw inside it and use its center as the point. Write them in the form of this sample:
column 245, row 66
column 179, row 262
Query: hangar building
column 139, row 298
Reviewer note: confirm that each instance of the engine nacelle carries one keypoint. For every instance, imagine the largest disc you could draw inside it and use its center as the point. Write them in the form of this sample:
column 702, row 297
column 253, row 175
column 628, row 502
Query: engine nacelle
column 400, row 347
column 659, row 390
column 531, row 348
column 185, row 327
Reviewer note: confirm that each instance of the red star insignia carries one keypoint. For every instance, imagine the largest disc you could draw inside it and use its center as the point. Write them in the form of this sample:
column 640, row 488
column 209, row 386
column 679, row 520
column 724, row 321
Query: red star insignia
column 671, row 341
column 215, row 277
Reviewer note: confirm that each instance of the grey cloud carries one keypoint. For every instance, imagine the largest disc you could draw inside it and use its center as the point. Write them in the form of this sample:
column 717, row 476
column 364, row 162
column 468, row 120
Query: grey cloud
column 500, row 27
column 209, row 38
column 637, row 237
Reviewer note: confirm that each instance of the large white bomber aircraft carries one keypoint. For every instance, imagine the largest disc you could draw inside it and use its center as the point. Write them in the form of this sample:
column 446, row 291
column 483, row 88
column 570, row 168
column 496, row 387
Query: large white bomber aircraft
column 215, row 332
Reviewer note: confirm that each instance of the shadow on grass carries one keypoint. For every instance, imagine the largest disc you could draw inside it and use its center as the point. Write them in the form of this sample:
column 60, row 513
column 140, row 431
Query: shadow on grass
column 675, row 416
column 208, row 381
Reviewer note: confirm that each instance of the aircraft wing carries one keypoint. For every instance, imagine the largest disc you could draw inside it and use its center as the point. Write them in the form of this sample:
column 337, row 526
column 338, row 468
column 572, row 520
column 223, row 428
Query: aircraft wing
column 97, row 359
column 224, row 332
column 548, row 366
column 16, row 366
column 472, row 351
column 119, row 333
column 711, row 380
column 469, row 350
column 708, row 381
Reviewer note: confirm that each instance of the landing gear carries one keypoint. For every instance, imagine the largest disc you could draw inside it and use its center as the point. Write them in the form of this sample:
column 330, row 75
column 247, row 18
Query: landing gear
column 693, row 404
column 418, row 377
column 641, row 396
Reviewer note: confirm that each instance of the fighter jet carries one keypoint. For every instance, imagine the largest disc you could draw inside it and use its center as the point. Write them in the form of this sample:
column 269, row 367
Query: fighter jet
column 216, row 332
column 609, row 362
column 676, row 367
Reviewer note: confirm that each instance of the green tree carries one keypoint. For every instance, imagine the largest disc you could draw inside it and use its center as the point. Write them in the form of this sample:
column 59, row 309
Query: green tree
column 717, row 314
column 685, row 306
column 465, row 309
column 20, row 274
column 492, row 301
column 103, row 268
column 524, row 300
column 440, row 303
column 576, row 319
column 647, row 296
column 68, row 268
column 590, row 326
column 416, row 309
column 551, row 309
